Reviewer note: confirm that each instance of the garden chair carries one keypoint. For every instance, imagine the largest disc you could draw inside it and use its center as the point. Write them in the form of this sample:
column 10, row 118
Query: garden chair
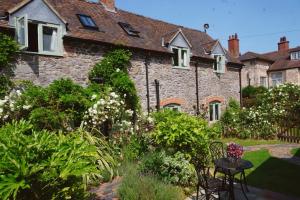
column 217, row 151
column 208, row 183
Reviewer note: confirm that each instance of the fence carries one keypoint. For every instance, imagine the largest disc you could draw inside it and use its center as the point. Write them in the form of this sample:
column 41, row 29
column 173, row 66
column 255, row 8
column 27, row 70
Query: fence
column 289, row 134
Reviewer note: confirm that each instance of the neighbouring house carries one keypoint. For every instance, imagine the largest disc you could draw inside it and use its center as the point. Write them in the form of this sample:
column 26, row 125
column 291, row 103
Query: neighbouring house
column 172, row 66
column 273, row 68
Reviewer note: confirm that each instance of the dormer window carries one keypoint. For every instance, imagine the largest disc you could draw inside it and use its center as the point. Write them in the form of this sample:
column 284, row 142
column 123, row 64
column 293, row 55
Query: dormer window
column 295, row 55
column 219, row 64
column 39, row 37
column 180, row 57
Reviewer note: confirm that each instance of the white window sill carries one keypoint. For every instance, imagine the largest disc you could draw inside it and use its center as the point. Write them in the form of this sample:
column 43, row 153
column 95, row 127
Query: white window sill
column 43, row 54
column 184, row 68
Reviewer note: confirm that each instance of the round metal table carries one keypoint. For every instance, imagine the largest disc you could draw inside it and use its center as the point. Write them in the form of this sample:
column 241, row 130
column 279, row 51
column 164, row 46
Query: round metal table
column 231, row 167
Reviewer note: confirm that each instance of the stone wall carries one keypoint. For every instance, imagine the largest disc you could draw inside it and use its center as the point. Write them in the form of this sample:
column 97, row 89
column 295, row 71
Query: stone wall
column 176, row 85
column 293, row 76
column 255, row 69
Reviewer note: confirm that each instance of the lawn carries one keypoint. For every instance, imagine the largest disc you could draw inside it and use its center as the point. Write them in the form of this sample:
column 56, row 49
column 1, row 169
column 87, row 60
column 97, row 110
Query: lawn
column 272, row 173
column 296, row 152
column 250, row 142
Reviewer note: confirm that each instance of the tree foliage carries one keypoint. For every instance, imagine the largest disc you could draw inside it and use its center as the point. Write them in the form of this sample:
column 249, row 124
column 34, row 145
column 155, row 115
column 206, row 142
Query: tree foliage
column 8, row 49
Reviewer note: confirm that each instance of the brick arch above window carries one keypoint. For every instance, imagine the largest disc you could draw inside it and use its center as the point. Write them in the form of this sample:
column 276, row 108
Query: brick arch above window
column 168, row 101
column 211, row 99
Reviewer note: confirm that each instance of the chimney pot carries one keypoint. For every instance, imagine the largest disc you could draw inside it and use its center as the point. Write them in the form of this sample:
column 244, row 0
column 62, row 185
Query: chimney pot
column 283, row 44
column 234, row 45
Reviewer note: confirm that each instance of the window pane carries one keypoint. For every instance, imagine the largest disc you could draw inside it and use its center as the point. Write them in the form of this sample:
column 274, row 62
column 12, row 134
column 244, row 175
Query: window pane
column 49, row 39
column 216, row 63
column 173, row 106
column 175, row 57
column 211, row 112
column 21, row 32
column 263, row 81
column 216, row 111
column 184, row 58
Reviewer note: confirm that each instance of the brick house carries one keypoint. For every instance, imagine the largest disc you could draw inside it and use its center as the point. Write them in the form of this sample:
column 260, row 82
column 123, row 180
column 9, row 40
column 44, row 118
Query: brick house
column 272, row 68
column 172, row 66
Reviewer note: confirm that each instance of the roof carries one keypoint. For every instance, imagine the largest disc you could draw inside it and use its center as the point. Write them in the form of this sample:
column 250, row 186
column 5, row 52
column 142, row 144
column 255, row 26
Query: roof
column 151, row 31
column 280, row 60
column 251, row 55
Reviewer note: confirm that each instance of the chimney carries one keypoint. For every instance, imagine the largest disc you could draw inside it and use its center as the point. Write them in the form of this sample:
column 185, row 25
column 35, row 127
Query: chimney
column 109, row 5
column 283, row 44
column 234, row 45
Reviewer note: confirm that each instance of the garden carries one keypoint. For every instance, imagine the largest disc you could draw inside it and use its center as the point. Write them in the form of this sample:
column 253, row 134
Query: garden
column 63, row 140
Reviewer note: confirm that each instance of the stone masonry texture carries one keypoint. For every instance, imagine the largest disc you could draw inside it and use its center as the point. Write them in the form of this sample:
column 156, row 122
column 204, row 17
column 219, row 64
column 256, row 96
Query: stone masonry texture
column 180, row 84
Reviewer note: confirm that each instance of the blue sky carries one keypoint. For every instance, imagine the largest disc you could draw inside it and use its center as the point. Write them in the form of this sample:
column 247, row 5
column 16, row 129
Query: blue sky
column 259, row 23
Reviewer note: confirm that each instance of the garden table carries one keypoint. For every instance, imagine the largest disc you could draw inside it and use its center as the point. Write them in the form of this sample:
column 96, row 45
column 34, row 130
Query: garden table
column 230, row 168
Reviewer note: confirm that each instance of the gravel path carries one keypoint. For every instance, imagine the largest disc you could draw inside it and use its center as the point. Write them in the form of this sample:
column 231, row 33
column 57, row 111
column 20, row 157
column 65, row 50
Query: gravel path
column 282, row 151
column 107, row 191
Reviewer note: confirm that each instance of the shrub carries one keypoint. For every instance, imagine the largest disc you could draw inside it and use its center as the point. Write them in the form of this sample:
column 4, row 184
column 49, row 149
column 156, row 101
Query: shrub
column 174, row 169
column 114, row 70
column 230, row 119
column 109, row 114
column 278, row 107
column 136, row 148
column 43, row 165
column 181, row 132
column 5, row 85
column 251, row 94
column 137, row 187
column 8, row 49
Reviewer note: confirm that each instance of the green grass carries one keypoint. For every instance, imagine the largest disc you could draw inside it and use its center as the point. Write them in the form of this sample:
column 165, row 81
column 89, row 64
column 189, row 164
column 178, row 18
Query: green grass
column 135, row 186
column 272, row 173
column 296, row 152
column 250, row 142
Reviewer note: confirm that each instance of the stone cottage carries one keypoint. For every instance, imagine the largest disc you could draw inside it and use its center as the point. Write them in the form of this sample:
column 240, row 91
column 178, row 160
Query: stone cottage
column 272, row 68
column 172, row 66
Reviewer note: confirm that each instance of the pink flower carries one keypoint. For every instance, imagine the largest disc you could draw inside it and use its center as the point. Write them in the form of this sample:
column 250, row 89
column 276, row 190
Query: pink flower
column 234, row 150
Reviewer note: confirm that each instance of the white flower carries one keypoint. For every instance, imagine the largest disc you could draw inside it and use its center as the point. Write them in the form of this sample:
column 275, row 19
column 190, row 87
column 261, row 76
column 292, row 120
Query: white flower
column 18, row 92
column 2, row 102
column 94, row 97
column 129, row 112
column 118, row 70
column 1, row 110
column 26, row 107
column 5, row 117
column 150, row 119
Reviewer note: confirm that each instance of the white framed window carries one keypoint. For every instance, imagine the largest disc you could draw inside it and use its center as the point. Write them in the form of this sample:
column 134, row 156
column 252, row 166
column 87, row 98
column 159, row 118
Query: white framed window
column 173, row 106
column 219, row 64
column 295, row 55
column 49, row 39
column 214, row 111
column 263, row 81
column 22, row 31
column 38, row 37
column 181, row 57
column 277, row 78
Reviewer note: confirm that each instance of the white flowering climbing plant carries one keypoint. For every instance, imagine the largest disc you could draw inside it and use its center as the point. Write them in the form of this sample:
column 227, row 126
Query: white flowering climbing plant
column 279, row 107
column 109, row 108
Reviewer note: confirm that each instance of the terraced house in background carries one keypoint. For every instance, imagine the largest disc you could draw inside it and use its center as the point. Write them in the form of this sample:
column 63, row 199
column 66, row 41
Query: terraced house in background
column 172, row 66
column 272, row 68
